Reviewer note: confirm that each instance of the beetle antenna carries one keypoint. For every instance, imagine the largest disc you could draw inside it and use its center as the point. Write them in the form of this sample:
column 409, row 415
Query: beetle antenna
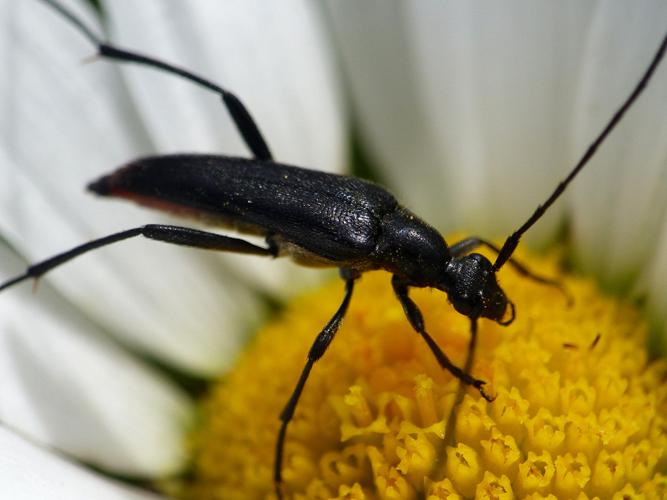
column 513, row 240
column 242, row 118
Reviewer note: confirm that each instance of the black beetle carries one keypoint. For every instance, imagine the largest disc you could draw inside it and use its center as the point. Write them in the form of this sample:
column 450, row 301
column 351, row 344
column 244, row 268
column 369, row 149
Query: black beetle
column 317, row 219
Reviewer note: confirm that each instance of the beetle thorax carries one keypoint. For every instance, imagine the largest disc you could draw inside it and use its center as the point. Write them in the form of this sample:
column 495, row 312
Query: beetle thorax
column 411, row 249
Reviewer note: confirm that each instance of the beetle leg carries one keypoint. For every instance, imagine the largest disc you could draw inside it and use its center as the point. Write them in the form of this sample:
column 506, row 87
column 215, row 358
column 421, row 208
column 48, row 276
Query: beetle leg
column 168, row 234
column 318, row 348
column 244, row 122
column 416, row 319
column 469, row 244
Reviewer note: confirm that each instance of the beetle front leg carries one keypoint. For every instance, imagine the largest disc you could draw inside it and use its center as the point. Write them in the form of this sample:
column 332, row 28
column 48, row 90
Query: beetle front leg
column 416, row 319
column 318, row 348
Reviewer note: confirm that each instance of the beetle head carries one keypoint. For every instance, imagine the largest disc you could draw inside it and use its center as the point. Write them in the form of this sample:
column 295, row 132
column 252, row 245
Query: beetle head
column 474, row 291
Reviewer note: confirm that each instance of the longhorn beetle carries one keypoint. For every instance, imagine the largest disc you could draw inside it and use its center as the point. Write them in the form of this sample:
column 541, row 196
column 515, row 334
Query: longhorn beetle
column 315, row 218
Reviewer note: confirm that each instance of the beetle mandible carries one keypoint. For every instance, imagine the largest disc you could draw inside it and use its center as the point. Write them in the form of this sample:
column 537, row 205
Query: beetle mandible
column 317, row 219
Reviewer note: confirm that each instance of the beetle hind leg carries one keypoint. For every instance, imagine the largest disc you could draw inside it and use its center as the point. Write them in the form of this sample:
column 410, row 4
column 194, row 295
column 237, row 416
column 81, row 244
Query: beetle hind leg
column 242, row 118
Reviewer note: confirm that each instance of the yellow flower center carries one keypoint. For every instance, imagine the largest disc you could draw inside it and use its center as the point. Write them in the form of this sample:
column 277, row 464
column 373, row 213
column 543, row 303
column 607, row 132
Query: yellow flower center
column 579, row 412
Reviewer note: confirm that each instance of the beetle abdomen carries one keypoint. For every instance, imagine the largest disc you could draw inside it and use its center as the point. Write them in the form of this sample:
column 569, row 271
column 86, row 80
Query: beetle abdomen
column 335, row 216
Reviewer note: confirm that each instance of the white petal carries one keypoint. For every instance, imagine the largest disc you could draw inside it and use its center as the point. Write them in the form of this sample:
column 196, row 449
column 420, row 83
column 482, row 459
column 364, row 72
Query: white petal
column 376, row 56
column 621, row 200
column 467, row 105
column 29, row 472
column 65, row 385
column 272, row 55
column 61, row 125
column 498, row 92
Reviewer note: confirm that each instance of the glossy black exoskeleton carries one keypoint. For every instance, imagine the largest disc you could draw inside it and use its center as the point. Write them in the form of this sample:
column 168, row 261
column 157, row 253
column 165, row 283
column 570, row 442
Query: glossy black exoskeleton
column 317, row 219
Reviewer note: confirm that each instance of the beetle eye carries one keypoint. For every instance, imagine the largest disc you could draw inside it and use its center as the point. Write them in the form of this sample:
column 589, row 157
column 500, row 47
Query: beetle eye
column 464, row 304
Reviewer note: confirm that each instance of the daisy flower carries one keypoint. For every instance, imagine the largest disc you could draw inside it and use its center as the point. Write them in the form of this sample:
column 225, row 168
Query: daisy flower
column 471, row 115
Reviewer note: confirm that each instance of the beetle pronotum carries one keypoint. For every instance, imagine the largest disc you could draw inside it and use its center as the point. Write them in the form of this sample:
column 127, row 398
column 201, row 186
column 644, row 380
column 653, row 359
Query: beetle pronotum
column 316, row 219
